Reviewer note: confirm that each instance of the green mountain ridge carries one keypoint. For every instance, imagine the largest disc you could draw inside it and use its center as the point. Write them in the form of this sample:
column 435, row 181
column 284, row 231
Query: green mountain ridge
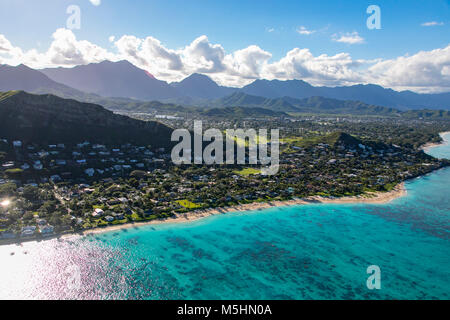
column 321, row 105
column 48, row 118
column 240, row 99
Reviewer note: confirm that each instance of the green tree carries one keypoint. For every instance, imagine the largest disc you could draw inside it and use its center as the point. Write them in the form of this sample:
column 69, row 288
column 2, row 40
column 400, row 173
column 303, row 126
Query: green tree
column 31, row 193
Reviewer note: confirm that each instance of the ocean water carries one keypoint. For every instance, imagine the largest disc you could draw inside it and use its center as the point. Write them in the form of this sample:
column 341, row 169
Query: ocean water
column 318, row 251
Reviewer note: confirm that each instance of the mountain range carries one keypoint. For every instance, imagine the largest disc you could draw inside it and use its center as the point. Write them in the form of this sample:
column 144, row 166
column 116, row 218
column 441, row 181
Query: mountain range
column 319, row 105
column 30, row 80
column 113, row 79
column 370, row 94
column 99, row 82
column 240, row 105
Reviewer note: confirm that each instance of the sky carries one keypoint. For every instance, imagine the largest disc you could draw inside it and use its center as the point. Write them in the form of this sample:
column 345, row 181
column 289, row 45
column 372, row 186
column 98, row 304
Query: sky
column 235, row 42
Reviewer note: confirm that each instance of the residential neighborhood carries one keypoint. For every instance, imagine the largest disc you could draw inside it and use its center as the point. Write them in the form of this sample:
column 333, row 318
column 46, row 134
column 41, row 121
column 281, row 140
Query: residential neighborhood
column 59, row 188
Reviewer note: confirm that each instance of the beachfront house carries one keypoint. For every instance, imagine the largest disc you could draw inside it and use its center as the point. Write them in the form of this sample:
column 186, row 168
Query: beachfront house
column 28, row 231
column 109, row 218
column 46, row 230
column 98, row 213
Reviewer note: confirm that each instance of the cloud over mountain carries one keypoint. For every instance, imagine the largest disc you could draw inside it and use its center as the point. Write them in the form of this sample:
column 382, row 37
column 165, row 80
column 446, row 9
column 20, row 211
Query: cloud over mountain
column 425, row 71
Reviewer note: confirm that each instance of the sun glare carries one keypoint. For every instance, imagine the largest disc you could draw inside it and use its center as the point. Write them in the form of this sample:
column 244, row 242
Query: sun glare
column 5, row 203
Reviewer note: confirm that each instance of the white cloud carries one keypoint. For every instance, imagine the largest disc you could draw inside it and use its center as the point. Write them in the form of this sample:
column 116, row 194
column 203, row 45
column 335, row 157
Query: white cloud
column 425, row 71
column 96, row 2
column 304, row 31
column 432, row 24
column 7, row 50
column 204, row 56
column 318, row 70
column 112, row 38
column 65, row 50
column 349, row 37
column 247, row 63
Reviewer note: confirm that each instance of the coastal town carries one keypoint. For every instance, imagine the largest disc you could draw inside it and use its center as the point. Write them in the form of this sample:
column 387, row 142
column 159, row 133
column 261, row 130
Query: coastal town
column 53, row 189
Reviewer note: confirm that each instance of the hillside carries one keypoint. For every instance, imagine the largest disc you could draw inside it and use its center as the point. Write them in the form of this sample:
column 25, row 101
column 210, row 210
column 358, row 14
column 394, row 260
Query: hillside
column 427, row 114
column 335, row 139
column 326, row 105
column 309, row 105
column 30, row 80
column 47, row 118
column 240, row 99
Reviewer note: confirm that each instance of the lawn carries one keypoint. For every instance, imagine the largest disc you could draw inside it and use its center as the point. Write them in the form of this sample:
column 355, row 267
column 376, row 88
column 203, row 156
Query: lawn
column 248, row 171
column 245, row 143
column 188, row 204
column 292, row 140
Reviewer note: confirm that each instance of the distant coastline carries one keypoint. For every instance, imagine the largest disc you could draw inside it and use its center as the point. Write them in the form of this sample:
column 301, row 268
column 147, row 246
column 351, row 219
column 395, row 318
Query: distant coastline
column 435, row 144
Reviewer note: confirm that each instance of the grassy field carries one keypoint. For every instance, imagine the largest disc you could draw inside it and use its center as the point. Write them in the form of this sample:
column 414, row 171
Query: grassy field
column 188, row 204
column 242, row 142
column 248, row 171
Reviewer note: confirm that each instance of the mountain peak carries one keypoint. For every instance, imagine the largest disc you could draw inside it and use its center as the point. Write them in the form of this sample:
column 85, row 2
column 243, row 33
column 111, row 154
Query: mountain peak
column 113, row 79
column 201, row 86
column 198, row 78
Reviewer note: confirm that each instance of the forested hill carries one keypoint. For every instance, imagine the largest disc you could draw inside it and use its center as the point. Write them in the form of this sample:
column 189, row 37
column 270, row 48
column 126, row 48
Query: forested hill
column 47, row 118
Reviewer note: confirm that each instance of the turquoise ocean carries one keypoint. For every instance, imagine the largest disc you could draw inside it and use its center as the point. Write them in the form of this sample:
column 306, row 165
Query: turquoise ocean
column 317, row 251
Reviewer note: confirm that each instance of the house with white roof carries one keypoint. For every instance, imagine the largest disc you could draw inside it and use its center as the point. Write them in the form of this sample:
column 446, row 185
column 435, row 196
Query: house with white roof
column 98, row 213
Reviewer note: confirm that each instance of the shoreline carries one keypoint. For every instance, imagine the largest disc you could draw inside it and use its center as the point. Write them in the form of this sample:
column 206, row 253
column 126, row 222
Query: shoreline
column 429, row 145
column 371, row 198
column 192, row 216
